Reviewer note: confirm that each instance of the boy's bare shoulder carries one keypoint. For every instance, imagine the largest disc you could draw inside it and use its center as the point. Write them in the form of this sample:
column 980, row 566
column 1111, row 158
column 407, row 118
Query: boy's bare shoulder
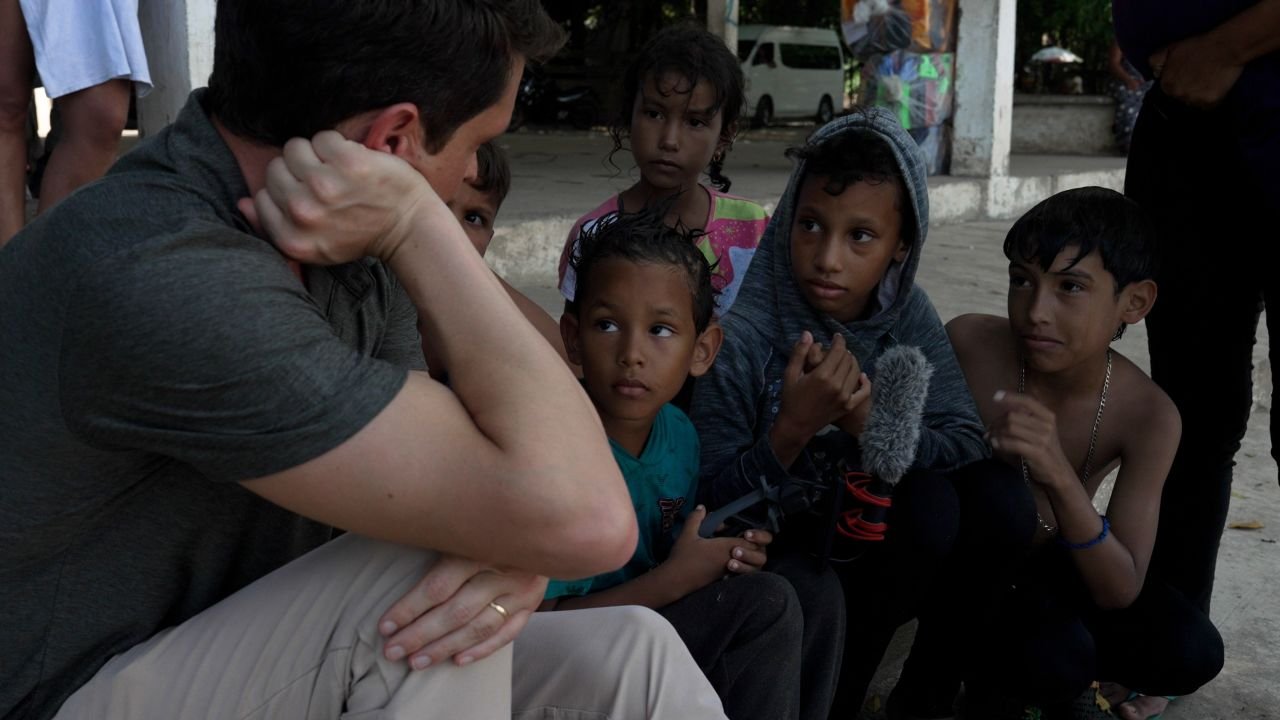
column 976, row 332
column 1144, row 413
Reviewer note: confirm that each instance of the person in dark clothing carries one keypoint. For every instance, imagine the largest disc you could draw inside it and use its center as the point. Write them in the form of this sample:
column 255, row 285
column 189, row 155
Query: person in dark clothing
column 1204, row 154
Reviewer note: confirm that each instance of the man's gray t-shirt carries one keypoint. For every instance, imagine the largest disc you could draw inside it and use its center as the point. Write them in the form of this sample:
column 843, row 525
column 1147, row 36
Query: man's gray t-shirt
column 153, row 353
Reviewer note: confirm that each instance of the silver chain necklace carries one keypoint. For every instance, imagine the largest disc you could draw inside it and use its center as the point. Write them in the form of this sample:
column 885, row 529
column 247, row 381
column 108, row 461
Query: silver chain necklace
column 1093, row 434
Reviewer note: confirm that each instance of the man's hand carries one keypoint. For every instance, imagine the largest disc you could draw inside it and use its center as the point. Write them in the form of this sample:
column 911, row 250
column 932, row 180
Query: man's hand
column 1198, row 71
column 447, row 614
column 330, row 200
column 696, row 562
column 1027, row 429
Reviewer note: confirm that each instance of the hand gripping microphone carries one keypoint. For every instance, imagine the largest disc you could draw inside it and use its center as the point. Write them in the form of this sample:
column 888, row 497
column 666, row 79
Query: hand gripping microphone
column 888, row 442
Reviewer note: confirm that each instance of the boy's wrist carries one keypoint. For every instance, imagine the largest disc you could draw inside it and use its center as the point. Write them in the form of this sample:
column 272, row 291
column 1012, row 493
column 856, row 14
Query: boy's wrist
column 786, row 442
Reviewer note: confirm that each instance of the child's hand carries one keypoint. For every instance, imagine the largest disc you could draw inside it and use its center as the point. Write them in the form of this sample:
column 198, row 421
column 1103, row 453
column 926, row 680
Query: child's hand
column 696, row 562
column 1028, row 430
column 330, row 200
column 855, row 421
column 751, row 555
column 815, row 395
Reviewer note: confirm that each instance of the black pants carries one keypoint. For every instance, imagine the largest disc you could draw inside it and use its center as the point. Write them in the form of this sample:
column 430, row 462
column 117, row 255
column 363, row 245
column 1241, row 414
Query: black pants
column 1048, row 642
column 1217, row 244
column 1025, row 626
column 996, row 527
column 892, row 582
column 747, row 633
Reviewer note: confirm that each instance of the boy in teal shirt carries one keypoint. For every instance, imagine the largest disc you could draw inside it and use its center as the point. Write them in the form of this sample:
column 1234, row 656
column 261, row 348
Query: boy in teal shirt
column 640, row 323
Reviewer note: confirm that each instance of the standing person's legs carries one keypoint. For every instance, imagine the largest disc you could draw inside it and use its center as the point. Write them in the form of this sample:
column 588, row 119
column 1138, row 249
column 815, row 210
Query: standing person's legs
column 17, row 72
column 92, row 120
column 1185, row 171
column 621, row 663
column 745, row 633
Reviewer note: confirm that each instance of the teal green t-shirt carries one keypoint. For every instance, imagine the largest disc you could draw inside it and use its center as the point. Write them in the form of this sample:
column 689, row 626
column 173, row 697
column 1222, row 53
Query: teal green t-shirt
column 663, row 484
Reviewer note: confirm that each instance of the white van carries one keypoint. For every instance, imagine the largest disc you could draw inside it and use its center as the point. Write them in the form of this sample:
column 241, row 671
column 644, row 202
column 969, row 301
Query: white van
column 791, row 72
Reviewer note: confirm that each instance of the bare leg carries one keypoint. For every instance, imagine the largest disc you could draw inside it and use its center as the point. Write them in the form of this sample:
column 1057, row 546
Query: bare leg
column 17, row 71
column 92, row 120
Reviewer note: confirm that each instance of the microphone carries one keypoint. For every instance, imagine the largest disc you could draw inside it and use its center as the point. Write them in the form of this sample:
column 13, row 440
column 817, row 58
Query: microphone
column 892, row 435
column 889, row 443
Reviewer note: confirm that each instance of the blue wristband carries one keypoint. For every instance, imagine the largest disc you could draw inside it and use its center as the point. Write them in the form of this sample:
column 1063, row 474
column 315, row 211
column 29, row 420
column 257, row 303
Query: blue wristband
column 1106, row 529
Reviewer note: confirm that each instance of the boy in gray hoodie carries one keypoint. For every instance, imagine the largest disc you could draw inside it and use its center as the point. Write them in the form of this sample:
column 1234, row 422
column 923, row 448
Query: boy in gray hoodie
column 830, row 289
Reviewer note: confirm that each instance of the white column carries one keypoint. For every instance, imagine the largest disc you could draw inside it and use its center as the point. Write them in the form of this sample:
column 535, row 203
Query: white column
column 178, row 35
column 722, row 21
column 984, row 88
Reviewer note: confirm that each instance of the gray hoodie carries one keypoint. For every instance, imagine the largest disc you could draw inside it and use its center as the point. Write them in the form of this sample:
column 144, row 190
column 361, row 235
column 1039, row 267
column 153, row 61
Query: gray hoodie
column 736, row 403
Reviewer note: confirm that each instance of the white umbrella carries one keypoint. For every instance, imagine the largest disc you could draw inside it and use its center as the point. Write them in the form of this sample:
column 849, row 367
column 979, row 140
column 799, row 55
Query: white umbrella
column 1055, row 54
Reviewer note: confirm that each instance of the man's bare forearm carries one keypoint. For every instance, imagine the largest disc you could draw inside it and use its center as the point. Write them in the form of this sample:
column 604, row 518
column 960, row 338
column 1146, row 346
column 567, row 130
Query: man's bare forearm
column 1253, row 33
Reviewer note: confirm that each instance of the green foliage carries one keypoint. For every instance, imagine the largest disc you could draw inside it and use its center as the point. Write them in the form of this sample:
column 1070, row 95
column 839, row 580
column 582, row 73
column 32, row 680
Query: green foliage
column 804, row 13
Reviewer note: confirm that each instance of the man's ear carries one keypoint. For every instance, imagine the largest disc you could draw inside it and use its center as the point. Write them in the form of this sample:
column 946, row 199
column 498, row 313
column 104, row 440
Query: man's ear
column 1136, row 300
column 395, row 129
column 569, row 334
column 706, row 348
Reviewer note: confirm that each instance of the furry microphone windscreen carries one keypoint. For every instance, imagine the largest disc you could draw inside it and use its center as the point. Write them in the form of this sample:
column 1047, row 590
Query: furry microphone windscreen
column 898, row 392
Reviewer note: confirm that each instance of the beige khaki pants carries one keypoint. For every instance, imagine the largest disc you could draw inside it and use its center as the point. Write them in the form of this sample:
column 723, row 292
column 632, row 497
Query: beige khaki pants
column 302, row 642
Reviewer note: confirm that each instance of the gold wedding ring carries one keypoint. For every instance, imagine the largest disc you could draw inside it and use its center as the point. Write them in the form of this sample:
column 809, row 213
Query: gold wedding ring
column 501, row 610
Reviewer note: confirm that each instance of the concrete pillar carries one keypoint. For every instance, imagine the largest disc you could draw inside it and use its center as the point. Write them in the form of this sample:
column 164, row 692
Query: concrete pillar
column 178, row 35
column 722, row 20
column 984, row 88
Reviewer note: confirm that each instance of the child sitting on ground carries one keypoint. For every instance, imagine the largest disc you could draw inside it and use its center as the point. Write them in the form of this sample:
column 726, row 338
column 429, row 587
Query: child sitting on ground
column 683, row 96
column 1063, row 409
column 476, row 206
column 830, row 289
column 639, row 324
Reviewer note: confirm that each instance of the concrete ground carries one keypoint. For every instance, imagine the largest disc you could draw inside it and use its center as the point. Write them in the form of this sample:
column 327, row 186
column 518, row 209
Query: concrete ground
column 559, row 176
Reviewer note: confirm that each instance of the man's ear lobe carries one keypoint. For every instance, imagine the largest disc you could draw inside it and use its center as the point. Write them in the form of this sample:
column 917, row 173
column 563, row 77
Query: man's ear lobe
column 1138, row 299
column 706, row 348
column 569, row 335
column 395, row 129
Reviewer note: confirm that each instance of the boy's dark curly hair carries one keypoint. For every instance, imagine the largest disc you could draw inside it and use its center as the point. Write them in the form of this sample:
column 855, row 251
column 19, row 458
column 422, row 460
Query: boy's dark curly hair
column 493, row 173
column 644, row 237
column 690, row 52
column 852, row 157
column 1087, row 218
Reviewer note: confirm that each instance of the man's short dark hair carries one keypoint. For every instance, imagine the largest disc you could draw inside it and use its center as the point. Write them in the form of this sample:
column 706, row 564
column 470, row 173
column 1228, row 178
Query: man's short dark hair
column 283, row 68
column 644, row 237
column 855, row 156
column 1090, row 218
column 493, row 174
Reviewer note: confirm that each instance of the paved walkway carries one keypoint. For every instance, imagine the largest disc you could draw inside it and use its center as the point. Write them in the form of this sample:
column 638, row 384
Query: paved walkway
column 964, row 270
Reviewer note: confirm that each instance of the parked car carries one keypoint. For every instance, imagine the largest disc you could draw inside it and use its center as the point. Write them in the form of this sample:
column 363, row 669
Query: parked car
column 791, row 72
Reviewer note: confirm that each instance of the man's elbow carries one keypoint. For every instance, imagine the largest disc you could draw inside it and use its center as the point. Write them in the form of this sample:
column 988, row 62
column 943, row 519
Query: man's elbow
column 604, row 544
column 596, row 532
